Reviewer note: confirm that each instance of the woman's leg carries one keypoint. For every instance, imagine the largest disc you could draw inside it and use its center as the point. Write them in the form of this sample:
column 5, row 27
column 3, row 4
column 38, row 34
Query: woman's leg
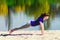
column 22, row 27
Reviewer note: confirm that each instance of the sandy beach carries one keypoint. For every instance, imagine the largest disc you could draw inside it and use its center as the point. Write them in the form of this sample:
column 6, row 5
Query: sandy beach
column 49, row 35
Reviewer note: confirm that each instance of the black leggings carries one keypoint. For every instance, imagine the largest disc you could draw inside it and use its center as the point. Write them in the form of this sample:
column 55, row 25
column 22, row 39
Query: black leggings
column 22, row 27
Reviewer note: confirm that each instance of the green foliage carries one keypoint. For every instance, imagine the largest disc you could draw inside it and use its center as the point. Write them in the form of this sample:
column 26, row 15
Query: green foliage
column 2, row 1
column 10, row 2
column 19, row 2
column 53, row 1
column 38, row 8
column 29, row 2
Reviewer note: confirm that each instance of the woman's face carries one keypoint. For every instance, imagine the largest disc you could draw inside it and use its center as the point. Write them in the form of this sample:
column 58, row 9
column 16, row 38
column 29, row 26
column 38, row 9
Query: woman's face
column 46, row 17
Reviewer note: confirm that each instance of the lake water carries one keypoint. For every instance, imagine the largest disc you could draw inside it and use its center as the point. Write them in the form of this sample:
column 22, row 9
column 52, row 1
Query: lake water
column 20, row 18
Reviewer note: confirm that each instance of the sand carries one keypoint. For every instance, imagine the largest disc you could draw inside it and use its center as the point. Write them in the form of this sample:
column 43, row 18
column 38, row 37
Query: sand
column 49, row 35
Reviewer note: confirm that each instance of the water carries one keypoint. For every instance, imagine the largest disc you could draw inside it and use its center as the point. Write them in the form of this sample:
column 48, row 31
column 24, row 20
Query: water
column 20, row 18
column 55, row 24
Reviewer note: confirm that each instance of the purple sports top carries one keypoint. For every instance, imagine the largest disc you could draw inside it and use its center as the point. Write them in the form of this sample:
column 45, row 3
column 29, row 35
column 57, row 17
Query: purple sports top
column 36, row 22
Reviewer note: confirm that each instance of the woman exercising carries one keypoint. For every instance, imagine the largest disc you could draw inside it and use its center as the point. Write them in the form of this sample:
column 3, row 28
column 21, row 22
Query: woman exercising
column 38, row 21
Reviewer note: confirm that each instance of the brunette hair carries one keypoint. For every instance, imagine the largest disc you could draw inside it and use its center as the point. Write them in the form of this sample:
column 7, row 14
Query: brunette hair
column 44, row 14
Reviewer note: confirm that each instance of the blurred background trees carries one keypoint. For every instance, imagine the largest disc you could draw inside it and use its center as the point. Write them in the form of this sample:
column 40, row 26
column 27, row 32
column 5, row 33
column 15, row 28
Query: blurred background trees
column 31, row 7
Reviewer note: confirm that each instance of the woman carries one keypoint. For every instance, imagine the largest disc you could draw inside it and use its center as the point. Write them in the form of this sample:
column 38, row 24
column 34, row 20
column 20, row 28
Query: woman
column 39, row 21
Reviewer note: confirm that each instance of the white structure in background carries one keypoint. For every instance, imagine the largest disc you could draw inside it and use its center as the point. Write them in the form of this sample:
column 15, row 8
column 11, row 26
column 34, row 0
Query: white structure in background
column 57, row 6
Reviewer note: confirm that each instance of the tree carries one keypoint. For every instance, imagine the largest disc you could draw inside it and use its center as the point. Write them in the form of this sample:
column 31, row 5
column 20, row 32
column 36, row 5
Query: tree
column 10, row 4
column 3, row 8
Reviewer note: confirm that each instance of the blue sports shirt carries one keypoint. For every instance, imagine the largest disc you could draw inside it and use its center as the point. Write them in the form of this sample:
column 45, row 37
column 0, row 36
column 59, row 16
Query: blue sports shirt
column 36, row 22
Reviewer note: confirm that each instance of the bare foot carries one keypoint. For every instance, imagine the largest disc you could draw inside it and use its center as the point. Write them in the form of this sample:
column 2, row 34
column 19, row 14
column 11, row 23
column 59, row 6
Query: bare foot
column 10, row 31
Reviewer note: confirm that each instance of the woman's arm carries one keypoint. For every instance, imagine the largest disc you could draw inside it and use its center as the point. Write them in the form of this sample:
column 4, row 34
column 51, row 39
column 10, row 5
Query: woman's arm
column 42, row 27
